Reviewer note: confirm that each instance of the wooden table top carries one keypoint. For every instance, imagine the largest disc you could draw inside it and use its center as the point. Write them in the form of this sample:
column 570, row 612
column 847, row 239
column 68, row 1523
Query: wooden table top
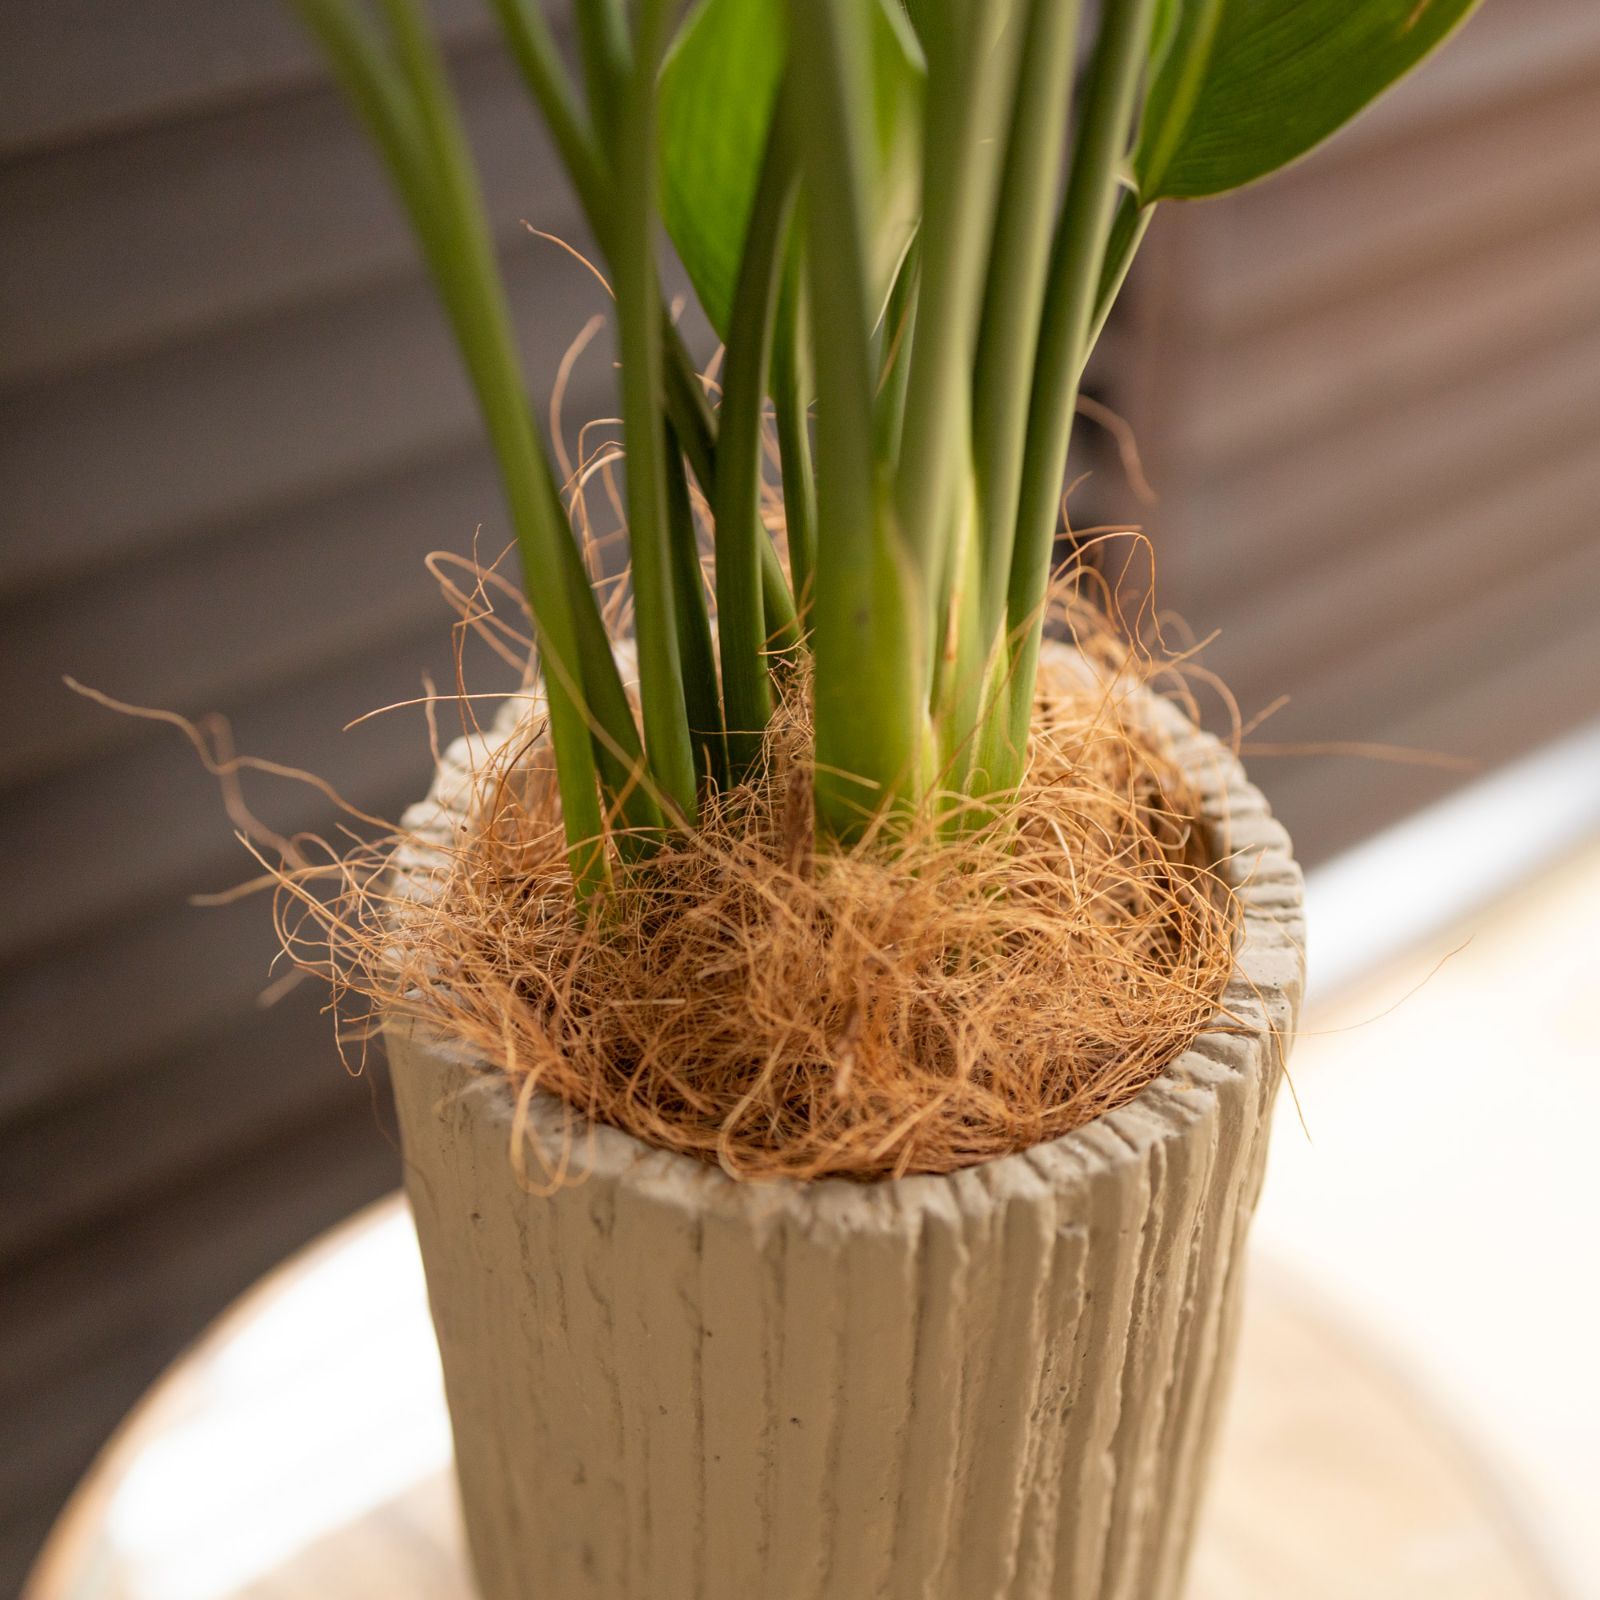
column 301, row 1452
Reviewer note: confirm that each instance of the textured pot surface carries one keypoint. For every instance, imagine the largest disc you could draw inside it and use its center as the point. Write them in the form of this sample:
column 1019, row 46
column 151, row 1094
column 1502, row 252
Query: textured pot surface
column 998, row 1385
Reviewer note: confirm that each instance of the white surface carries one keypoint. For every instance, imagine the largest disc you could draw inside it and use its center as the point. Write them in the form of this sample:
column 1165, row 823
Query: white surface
column 1431, row 871
column 322, row 1405
column 1445, row 1189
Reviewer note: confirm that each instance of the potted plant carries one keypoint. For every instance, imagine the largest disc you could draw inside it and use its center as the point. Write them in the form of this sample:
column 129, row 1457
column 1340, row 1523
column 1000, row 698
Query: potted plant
column 834, row 1031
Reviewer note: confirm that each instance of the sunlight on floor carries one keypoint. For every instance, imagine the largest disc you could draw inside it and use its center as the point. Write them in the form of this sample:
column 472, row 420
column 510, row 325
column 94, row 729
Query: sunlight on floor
column 312, row 1407
column 1444, row 1188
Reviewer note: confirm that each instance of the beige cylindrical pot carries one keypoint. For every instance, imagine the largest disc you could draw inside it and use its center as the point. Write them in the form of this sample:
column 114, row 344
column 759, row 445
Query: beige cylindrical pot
column 999, row 1385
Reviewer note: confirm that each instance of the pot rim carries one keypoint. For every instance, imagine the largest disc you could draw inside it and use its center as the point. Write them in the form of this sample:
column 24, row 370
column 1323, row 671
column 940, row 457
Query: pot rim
column 1263, row 993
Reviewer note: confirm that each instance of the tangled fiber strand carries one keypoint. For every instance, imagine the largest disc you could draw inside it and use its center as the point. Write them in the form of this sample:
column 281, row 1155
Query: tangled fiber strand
column 914, row 1006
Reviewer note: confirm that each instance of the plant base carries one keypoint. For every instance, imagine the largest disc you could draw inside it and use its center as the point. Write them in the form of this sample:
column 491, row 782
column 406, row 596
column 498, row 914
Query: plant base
column 997, row 1384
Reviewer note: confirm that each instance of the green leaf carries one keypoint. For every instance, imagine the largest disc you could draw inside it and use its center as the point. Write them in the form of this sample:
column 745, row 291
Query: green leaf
column 1244, row 87
column 1162, row 28
column 718, row 88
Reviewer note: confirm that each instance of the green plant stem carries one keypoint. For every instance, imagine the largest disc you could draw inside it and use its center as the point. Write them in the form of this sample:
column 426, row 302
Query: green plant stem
column 690, row 410
column 619, row 752
column 791, row 395
column 641, row 330
column 1014, row 296
column 790, row 386
column 868, row 619
column 959, row 676
column 695, row 648
column 972, row 52
column 783, row 621
column 1070, row 303
column 1128, row 228
column 894, row 368
column 604, row 50
column 406, row 102
column 533, row 49
column 364, row 69
column 741, row 621
column 695, row 424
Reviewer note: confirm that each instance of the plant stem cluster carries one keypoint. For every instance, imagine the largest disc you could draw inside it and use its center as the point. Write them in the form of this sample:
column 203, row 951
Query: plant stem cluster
column 907, row 220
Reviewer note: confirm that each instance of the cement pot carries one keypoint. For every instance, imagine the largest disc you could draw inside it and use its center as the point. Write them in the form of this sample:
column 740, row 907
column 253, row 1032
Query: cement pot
column 999, row 1385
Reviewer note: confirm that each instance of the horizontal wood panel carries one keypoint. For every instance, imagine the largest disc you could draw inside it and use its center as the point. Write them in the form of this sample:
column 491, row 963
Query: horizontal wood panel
column 123, row 955
column 221, row 1094
column 1531, row 685
column 291, row 594
column 78, row 1018
column 136, row 455
column 1502, row 51
column 75, row 69
column 231, row 424
column 1336, row 227
column 1242, row 398
column 104, row 839
column 1343, row 491
column 1478, row 634
column 120, row 246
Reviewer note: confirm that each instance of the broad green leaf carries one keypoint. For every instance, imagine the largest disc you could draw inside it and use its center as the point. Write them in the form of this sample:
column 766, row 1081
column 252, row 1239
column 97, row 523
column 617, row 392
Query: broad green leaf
column 1163, row 27
column 1182, row 41
column 1244, row 87
column 718, row 88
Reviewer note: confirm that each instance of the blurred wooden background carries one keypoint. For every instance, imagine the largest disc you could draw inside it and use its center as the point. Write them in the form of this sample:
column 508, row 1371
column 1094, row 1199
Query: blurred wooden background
column 231, row 426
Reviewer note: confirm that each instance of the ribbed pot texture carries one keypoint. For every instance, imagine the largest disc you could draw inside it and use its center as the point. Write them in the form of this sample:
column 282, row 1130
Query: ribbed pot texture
column 999, row 1385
